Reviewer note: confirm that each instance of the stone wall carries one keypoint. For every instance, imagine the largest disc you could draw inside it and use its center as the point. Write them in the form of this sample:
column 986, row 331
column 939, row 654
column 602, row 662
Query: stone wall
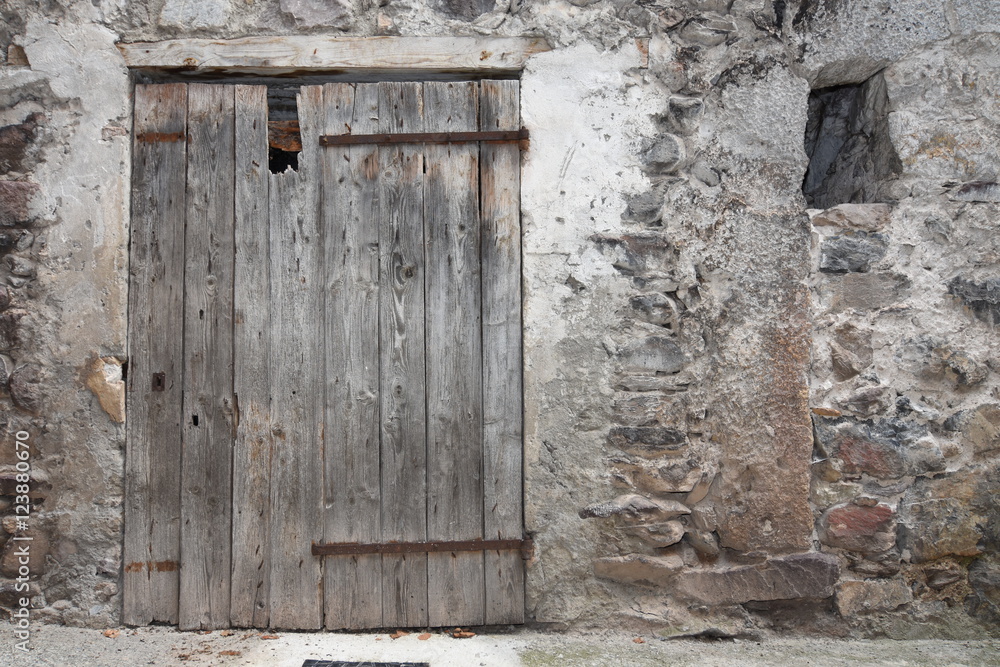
column 741, row 413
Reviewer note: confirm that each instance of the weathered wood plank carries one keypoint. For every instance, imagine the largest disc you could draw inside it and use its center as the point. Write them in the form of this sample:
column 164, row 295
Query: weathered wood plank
column 250, row 604
column 297, row 390
column 455, row 581
column 401, row 343
column 315, row 52
column 155, row 340
column 206, row 460
column 353, row 584
column 499, row 109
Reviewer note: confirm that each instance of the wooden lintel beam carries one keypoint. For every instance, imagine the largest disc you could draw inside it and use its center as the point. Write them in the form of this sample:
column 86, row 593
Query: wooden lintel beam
column 305, row 54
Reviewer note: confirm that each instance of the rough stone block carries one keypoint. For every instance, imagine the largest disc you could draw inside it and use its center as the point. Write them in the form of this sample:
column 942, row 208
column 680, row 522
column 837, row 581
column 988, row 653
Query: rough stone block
column 39, row 487
column 638, row 254
column 673, row 478
column 869, row 401
column 852, row 252
column 20, row 266
column 979, row 427
column 26, row 389
column 10, row 593
column 864, row 217
column 883, row 448
column 647, row 441
column 471, row 9
column 707, row 30
column 846, row 362
column 977, row 191
column 655, row 353
column 9, row 329
column 869, row 291
column 196, row 14
column 665, row 155
column 636, row 509
column 956, row 366
column 983, row 299
column 885, row 564
column 703, row 542
column 660, row 534
column 38, row 550
column 943, row 573
column 811, row 575
column 825, row 493
column 639, row 569
column 954, row 515
column 655, row 308
column 15, row 198
column 315, row 13
column 857, row 528
column 984, row 579
column 862, row 597
column 644, row 207
column 15, row 140
column 684, row 114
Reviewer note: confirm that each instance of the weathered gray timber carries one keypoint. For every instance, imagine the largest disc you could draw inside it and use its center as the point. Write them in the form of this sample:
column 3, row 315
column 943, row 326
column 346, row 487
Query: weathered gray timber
column 156, row 302
column 206, row 457
column 500, row 192
column 401, row 341
column 250, row 606
column 352, row 584
column 453, row 355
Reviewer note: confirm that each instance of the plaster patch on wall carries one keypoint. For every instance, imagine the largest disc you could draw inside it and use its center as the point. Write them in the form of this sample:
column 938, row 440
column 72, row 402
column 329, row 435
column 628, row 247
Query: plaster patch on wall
column 104, row 378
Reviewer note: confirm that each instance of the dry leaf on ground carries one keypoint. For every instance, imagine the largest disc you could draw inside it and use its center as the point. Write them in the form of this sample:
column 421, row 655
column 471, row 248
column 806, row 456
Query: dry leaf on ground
column 424, row 637
column 398, row 633
column 111, row 633
column 269, row 637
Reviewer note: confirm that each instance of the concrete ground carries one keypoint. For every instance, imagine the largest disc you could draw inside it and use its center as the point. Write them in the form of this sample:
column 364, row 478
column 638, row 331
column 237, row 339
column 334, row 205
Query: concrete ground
column 62, row 646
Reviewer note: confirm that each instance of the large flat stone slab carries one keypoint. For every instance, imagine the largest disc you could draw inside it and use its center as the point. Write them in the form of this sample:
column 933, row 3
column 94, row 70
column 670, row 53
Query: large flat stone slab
column 810, row 575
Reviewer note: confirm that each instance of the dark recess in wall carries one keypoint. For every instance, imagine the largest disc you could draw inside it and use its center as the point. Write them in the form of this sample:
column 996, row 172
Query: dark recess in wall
column 851, row 156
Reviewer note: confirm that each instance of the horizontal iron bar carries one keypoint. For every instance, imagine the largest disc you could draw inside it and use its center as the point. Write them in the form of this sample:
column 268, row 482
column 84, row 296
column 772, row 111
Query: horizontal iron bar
column 160, row 137
column 354, row 548
column 422, row 137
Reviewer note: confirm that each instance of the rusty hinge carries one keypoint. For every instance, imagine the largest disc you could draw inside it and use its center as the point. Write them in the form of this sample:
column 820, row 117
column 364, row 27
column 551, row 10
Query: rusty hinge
column 160, row 137
column 525, row 546
column 423, row 138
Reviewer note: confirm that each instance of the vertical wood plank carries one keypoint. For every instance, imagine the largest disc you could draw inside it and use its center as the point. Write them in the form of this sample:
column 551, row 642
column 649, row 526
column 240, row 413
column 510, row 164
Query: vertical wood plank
column 251, row 365
column 297, row 389
column 401, row 343
column 499, row 109
column 155, row 348
column 206, row 459
column 352, row 584
column 455, row 581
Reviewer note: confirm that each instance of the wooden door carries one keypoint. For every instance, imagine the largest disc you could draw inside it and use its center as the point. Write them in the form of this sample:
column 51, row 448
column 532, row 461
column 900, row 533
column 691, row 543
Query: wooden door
column 324, row 356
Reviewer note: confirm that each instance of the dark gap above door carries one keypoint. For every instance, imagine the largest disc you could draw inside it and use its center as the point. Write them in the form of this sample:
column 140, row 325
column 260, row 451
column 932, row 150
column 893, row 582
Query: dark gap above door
column 283, row 140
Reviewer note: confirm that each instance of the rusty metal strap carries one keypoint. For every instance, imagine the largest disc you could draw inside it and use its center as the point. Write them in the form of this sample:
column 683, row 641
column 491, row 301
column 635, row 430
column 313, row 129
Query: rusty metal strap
column 160, row 137
column 423, row 138
column 525, row 546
